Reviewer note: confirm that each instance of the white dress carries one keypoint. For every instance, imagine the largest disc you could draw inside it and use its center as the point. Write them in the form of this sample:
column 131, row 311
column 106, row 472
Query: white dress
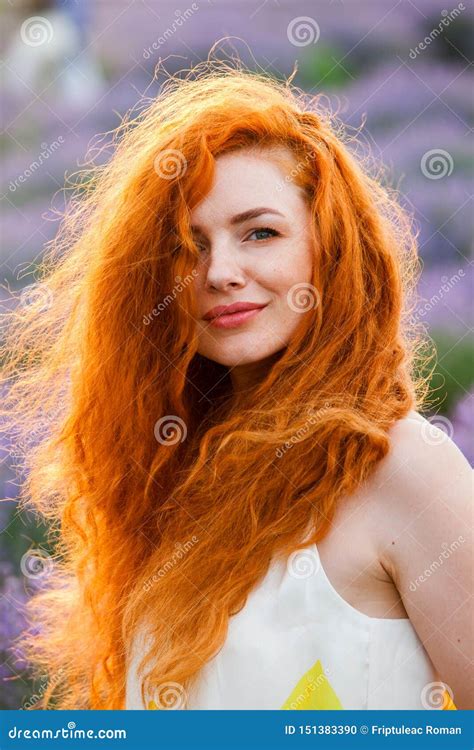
column 297, row 644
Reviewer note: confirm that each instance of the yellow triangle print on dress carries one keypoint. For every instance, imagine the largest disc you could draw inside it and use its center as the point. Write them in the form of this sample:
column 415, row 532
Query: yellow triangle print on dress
column 313, row 691
column 448, row 704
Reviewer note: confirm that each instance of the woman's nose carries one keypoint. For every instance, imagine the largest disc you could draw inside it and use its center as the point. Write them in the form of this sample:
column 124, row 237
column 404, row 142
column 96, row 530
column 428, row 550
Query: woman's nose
column 223, row 269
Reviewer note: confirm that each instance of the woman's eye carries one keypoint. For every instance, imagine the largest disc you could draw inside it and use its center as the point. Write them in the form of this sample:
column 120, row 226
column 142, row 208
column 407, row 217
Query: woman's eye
column 266, row 230
column 199, row 246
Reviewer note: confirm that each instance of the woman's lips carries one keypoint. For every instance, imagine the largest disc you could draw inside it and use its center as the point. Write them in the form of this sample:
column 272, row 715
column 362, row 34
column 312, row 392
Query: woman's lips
column 232, row 320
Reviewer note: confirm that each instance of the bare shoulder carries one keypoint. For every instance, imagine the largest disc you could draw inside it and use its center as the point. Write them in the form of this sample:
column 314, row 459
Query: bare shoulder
column 419, row 493
column 424, row 469
column 423, row 465
column 422, row 501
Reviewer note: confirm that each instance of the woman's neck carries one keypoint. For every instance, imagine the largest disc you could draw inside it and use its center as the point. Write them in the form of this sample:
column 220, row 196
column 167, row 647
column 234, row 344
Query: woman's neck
column 246, row 377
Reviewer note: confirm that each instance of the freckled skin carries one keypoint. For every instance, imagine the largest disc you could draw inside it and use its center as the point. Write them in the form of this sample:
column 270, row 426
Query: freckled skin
column 244, row 263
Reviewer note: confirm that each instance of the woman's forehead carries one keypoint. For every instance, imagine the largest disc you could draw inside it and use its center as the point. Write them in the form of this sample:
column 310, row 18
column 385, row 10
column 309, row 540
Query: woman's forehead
column 247, row 181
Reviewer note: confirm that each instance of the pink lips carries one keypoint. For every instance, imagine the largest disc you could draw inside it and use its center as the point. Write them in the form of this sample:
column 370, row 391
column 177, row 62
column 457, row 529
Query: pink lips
column 231, row 316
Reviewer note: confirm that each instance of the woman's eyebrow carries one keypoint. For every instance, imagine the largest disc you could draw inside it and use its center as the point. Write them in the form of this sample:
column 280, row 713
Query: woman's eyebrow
column 252, row 213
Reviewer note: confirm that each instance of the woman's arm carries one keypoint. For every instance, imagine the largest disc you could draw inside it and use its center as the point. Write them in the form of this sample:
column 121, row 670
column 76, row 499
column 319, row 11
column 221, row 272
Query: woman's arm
column 428, row 547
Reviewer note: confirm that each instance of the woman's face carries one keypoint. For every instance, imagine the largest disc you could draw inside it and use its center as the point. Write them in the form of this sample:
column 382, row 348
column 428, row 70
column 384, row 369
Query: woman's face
column 253, row 231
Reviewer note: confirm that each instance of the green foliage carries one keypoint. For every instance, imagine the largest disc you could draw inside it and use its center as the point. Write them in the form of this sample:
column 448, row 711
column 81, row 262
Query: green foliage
column 320, row 67
column 24, row 531
column 453, row 374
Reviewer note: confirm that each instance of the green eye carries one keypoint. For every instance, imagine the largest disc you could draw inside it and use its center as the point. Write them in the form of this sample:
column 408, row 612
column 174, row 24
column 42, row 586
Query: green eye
column 266, row 230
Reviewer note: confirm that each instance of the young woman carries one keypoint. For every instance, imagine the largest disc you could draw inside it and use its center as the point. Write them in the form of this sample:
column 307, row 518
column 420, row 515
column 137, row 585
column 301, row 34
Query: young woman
column 223, row 383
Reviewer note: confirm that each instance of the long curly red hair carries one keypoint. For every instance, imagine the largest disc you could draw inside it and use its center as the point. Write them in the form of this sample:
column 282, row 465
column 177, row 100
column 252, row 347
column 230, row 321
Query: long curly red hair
column 171, row 530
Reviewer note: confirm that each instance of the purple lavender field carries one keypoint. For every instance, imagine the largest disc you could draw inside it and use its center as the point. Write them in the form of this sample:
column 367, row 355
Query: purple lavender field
column 401, row 70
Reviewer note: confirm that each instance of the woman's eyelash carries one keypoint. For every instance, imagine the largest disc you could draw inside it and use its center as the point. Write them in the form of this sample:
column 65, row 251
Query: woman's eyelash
column 273, row 232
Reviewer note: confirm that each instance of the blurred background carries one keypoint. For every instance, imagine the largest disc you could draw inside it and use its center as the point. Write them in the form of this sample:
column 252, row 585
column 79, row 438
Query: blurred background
column 72, row 68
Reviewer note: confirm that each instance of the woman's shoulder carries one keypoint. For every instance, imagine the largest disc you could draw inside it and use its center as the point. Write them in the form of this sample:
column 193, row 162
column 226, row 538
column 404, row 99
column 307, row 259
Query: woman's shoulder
column 423, row 458
column 423, row 469
column 423, row 486
column 424, row 522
